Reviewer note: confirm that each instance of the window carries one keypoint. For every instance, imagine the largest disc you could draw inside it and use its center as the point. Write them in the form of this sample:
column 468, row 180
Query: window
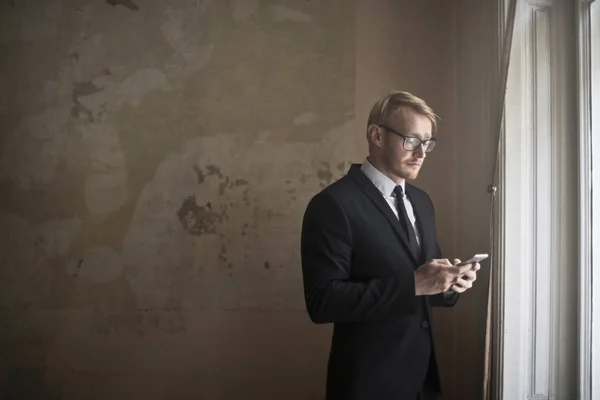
column 538, row 209
column 588, row 57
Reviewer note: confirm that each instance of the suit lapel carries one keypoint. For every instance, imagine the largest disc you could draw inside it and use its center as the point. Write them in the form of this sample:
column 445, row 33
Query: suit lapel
column 421, row 211
column 377, row 198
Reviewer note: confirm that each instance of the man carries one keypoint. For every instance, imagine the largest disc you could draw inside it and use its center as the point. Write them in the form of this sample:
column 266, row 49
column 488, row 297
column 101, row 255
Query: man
column 372, row 265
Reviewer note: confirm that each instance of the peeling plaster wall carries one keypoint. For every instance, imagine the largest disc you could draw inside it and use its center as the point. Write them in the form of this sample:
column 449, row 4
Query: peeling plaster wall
column 155, row 162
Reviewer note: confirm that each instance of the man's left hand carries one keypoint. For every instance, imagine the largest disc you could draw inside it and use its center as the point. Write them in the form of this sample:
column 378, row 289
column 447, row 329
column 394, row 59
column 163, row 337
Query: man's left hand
column 465, row 282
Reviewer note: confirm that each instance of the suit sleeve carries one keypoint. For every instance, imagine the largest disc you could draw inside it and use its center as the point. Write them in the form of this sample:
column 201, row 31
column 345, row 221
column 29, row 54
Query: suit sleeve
column 446, row 299
column 330, row 294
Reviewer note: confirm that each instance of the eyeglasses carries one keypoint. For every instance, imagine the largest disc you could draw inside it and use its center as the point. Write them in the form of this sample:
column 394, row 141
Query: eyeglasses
column 412, row 143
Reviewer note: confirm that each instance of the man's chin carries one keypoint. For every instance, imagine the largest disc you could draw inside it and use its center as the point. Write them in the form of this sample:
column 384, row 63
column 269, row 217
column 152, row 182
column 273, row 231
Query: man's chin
column 410, row 175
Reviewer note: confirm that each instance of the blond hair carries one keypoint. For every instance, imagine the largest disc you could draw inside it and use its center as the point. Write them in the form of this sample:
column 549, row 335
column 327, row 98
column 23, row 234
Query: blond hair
column 383, row 108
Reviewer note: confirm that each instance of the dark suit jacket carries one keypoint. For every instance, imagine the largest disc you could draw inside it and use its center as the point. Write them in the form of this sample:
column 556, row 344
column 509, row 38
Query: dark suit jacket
column 358, row 274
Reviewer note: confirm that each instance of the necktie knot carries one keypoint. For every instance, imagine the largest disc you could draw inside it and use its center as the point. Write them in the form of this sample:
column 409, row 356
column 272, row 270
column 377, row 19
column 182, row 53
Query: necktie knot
column 399, row 192
column 406, row 223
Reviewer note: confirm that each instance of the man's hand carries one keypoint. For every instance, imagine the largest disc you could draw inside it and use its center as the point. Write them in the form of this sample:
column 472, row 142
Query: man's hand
column 466, row 281
column 438, row 276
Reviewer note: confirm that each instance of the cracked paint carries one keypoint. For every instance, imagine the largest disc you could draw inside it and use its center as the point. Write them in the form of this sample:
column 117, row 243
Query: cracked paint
column 198, row 220
column 83, row 89
column 231, row 203
column 325, row 174
column 94, row 99
column 125, row 3
column 98, row 264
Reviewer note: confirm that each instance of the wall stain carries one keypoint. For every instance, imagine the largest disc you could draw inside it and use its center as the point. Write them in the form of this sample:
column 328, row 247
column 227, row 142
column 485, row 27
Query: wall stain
column 224, row 185
column 228, row 183
column 197, row 220
column 325, row 174
column 79, row 264
column 125, row 3
column 170, row 322
column 211, row 169
column 81, row 89
column 139, row 321
column 214, row 170
column 199, row 174
column 223, row 256
column 291, row 192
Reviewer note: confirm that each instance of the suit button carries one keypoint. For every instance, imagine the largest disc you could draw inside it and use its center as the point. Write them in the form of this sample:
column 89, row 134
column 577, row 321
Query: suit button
column 424, row 324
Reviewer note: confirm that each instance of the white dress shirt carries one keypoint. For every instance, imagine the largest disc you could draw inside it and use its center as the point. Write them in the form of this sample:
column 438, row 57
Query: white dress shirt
column 386, row 186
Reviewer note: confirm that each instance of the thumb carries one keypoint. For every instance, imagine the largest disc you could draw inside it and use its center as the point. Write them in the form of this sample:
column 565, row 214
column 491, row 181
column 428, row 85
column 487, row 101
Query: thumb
column 455, row 261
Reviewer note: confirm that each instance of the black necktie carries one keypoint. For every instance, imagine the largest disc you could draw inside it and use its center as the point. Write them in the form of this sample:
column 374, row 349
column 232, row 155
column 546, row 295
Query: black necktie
column 405, row 222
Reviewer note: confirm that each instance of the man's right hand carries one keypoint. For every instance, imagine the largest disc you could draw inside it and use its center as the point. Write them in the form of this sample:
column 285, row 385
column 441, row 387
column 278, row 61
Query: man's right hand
column 437, row 276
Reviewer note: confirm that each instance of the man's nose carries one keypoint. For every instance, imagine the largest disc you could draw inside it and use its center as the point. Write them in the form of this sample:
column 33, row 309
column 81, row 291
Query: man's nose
column 420, row 151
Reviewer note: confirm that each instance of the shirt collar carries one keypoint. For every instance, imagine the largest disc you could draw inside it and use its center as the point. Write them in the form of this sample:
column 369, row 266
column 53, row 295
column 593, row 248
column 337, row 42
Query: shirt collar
column 384, row 184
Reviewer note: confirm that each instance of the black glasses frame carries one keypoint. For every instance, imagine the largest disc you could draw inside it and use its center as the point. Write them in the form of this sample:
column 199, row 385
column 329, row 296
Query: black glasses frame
column 406, row 137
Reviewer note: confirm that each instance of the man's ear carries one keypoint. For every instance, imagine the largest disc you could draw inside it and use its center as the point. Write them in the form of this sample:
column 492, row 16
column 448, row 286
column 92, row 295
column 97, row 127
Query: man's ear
column 374, row 135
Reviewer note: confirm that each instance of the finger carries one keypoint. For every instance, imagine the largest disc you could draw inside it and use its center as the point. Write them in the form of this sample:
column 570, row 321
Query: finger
column 470, row 276
column 460, row 283
column 456, row 261
column 442, row 262
column 457, row 289
column 465, row 284
column 459, row 269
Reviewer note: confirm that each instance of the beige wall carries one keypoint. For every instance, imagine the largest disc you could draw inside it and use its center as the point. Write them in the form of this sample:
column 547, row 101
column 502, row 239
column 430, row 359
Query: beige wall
column 475, row 154
column 155, row 162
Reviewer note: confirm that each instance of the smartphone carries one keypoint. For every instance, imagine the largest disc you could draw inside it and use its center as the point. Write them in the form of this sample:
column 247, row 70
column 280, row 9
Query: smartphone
column 475, row 259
